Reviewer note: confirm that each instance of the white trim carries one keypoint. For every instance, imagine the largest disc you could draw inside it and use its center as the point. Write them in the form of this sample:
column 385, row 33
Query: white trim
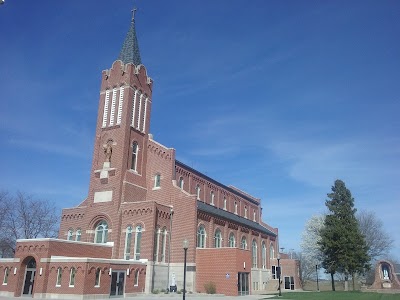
column 105, row 112
column 120, row 104
column 139, row 112
column 112, row 112
column 134, row 109
column 144, row 115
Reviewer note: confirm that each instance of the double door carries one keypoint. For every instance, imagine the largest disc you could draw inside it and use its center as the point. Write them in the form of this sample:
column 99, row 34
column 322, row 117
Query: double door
column 243, row 283
column 117, row 283
column 29, row 281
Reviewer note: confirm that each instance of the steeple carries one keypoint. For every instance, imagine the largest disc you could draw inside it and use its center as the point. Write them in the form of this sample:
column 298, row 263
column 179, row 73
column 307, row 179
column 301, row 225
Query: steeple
column 130, row 49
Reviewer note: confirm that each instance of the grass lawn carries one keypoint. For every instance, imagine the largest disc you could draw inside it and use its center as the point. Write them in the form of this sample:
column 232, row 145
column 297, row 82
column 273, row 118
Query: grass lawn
column 337, row 296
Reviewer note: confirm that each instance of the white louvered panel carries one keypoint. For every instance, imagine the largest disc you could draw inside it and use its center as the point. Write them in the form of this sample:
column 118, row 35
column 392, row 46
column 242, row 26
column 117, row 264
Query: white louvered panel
column 134, row 108
column 114, row 98
column 120, row 103
column 105, row 112
column 140, row 111
column 144, row 114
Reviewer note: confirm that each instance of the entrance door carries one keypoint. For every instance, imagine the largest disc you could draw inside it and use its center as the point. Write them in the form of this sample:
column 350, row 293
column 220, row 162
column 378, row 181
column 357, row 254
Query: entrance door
column 117, row 283
column 243, row 283
column 29, row 277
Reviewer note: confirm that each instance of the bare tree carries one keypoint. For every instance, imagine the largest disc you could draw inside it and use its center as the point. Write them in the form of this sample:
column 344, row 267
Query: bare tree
column 25, row 217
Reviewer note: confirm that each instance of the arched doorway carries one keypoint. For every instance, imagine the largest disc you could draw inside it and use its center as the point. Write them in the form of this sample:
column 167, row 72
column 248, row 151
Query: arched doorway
column 29, row 278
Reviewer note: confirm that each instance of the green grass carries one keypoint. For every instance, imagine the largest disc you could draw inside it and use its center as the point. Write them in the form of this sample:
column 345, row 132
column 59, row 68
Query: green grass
column 337, row 296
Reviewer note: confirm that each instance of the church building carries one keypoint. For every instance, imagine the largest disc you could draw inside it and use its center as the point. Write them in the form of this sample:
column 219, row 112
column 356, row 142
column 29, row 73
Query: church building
column 147, row 215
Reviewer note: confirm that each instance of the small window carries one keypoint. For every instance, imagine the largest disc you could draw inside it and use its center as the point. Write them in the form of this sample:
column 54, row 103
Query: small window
column 6, row 273
column 224, row 203
column 128, row 239
column 264, row 255
column 138, row 241
column 72, row 277
column 236, row 207
column 217, row 239
column 243, row 243
column 70, row 234
column 136, row 279
column 78, row 235
column 254, row 215
column 201, row 237
column 232, row 240
column 59, row 277
column 271, row 251
column 254, row 254
column 289, row 283
column 97, row 279
column 274, row 273
column 157, row 181
column 101, row 232
column 181, row 182
column 245, row 212
column 135, row 149
column 212, row 196
column 198, row 192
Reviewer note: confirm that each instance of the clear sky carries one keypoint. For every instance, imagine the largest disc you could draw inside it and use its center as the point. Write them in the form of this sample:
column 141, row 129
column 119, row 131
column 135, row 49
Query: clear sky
column 278, row 98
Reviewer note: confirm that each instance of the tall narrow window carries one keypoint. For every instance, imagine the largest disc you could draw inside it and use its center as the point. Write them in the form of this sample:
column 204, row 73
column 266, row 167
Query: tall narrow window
column 128, row 240
column 135, row 149
column 134, row 108
column 224, row 203
column 138, row 241
column 144, row 115
column 212, row 196
column 201, row 237
column 6, row 273
column 243, row 243
column 232, row 241
column 140, row 111
column 264, row 255
column 157, row 181
column 72, row 277
column 271, row 251
column 254, row 215
column 136, row 279
column 198, row 192
column 70, row 234
column 101, row 232
column 120, row 105
column 97, row 279
column 217, row 239
column 254, row 254
column 112, row 112
column 105, row 112
column 156, row 243
column 78, row 235
column 236, row 207
column 163, row 244
column 59, row 277
column 245, row 212
column 181, row 182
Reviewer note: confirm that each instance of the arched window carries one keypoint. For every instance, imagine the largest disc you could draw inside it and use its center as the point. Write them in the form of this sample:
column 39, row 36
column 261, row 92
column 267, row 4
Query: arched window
column 6, row 273
column 181, row 182
column 138, row 240
column 59, row 277
column 201, row 237
column 70, row 234
column 78, row 235
column 271, row 251
column 254, row 254
column 224, row 203
column 72, row 277
column 245, row 212
column 198, row 192
column 264, row 255
column 212, row 196
column 101, row 233
column 135, row 149
column 128, row 240
column 136, row 278
column 163, row 244
column 217, row 239
column 157, row 181
column 156, row 243
column 254, row 215
column 232, row 241
column 236, row 207
column 243, row 243
column 97, row 279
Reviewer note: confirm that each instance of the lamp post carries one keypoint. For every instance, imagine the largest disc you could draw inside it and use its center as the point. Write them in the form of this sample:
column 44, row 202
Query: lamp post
column 316, row 270
column 279, row 276
column 185, row 248
column 171, row 213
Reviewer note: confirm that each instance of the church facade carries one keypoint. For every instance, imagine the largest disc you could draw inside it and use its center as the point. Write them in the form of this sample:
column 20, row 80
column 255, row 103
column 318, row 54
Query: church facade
column 142, row 206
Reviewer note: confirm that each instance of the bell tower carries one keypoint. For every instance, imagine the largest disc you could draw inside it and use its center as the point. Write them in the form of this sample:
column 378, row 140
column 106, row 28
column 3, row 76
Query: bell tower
column 122, row 130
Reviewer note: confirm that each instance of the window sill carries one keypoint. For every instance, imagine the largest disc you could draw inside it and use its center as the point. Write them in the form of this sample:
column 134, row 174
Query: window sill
column 58, row 285
column 5, row 283
column 71, row 286
column 156, row 188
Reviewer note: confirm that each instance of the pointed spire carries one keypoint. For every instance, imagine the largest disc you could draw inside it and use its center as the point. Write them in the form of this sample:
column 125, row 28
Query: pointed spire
column 130, row 49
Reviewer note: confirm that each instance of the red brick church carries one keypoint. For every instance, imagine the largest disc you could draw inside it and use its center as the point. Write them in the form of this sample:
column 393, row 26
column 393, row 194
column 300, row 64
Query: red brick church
column 127, row 236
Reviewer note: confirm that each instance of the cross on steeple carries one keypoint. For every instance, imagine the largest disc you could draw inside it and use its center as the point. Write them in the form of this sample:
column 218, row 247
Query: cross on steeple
column 133, row 13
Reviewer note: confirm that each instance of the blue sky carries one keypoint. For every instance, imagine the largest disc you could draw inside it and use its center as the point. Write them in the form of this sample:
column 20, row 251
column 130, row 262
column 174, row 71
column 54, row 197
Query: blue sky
column 278, row 98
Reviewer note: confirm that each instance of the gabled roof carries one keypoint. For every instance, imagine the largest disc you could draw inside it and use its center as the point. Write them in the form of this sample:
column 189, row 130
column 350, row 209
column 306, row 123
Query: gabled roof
column 233, row 218
column 130, row 49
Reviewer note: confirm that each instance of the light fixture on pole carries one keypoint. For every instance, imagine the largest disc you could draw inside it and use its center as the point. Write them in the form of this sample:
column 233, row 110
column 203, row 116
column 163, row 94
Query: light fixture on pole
column 185, row 248
column 171, row 213
column 279, row 275
column 316, row 270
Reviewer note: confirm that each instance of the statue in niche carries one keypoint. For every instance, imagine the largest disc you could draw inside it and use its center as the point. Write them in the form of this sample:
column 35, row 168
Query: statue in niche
column 108, row 151
column 385, row 271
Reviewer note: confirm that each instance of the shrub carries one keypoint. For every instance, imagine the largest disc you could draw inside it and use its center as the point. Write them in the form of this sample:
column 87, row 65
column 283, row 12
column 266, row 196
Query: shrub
column 210, row 287
column 155, row 291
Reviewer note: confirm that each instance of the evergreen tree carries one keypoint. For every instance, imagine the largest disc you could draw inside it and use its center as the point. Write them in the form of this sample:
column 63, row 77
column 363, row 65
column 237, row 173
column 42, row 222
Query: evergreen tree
column 343, row 246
